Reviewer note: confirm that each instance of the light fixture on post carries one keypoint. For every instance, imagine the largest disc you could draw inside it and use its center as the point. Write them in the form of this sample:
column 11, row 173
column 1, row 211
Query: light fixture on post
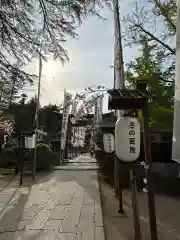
column 108, row 142
column 133, row 100
column 128, row 147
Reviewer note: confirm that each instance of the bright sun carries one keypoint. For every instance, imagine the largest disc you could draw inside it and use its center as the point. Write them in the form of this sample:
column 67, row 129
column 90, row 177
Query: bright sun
column 49, row 69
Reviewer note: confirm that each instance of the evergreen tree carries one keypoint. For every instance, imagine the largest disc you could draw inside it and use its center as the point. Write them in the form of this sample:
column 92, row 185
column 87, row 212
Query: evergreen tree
column 153, row 29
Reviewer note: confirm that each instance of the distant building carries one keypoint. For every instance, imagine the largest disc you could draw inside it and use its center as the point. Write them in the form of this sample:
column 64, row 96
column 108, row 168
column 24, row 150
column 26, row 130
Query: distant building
column 78, row 136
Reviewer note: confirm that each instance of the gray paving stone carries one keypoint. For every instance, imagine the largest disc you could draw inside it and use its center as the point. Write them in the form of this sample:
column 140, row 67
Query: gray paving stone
column 9, row 215
column 10, row 235
column 4, row 198
column 45, row 235
column 9, row 190
column 76, row 201
column 38, row 199
column 66, row 236
column 70, row 222
column 18, row 225
column 64, row 205
column 28, row 235
column 98, row 216
column 88, row 200
column 86, row 220
column 14, row 199
column 88, row 235
column 39, row 221
column 65, row 199
column 99, row 233
column 31, row 212
column 16, row 195
column 2, row 205
column 50, row 204
column 59, row 212
column 53, row 225
column 98, row 209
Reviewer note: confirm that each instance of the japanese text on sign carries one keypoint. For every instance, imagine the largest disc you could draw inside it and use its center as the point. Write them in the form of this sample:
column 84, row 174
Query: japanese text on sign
column 132, row 140
column 109, row 140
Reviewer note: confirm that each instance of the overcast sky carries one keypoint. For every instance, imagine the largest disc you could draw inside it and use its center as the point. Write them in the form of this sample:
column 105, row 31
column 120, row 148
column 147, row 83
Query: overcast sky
column 90, row 59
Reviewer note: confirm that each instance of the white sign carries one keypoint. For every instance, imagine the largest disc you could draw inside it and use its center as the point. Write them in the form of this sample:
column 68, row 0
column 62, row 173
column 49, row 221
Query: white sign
column 66, row 107
column 108, row 141
column 99, row 110
column 95, row 114
column 30, row 141
column 127, row 139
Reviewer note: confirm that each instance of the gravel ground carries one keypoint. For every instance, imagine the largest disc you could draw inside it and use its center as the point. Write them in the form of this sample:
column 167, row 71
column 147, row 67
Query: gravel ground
column 119, row 227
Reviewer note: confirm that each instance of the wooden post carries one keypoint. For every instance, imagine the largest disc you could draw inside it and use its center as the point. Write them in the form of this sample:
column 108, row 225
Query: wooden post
column 119, row 188
column 137, row 228
column 148, row 169
column 20, row 159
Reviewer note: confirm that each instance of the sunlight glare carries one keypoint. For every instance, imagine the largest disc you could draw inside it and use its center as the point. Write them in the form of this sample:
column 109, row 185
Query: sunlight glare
column 49, row 69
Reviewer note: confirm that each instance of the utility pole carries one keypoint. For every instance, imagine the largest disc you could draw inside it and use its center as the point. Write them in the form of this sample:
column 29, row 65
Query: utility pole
column 14, row 78
column 118, row 53
column 118, row 84
column 36, row 122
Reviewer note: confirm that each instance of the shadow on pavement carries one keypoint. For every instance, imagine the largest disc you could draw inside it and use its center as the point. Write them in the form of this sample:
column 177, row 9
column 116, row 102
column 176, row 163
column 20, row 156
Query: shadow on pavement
column 10, row 218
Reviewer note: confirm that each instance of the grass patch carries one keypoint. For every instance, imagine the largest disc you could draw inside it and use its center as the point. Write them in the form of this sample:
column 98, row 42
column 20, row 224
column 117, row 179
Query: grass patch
column 6, row 170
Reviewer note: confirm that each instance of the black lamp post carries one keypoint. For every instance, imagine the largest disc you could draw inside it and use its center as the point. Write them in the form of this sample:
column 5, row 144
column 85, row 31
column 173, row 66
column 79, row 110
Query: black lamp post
column 20, row 137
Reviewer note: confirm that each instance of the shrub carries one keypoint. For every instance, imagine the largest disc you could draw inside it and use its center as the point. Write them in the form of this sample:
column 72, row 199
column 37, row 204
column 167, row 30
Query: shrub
column 7, row 158
column 44, row 157
column 106, row 164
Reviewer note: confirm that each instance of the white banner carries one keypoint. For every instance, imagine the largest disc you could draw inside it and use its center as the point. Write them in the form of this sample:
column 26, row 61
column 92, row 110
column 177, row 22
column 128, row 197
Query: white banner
column 66, row 108
column 74, row 105
column 100, row 106
column 98, row 111
column 176, row 129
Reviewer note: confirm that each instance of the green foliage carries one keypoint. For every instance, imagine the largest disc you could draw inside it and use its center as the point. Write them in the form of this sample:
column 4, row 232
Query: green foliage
column 167, row 10
column 149, row 65
column 26, row 112
column 98, row 139
column 144, row 22
column 88, row 137
column 161, row 118
column 7, row 158
column 49, row 116
column 50, row 119
column 156, row 56
column 44, row 157
column 160, row 92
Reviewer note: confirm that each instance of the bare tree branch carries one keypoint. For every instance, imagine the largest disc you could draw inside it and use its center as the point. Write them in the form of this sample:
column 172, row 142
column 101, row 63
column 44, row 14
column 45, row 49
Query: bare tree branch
column 155, row 39
column 24, row 23
column 167, row 10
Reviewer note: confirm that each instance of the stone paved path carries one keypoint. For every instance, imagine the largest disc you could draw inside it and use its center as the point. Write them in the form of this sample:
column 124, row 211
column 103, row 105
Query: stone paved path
column 83, row 162
column 65, row 205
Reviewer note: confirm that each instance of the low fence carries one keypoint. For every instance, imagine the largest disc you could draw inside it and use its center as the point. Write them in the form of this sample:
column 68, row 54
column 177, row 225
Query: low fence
column 165, row 171
column 55, row 146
